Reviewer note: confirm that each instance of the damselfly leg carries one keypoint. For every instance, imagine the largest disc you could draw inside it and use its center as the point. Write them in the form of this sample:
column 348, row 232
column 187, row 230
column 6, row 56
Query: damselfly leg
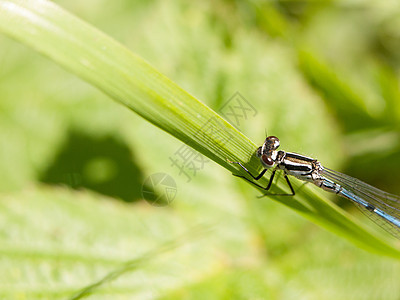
column 258, row 177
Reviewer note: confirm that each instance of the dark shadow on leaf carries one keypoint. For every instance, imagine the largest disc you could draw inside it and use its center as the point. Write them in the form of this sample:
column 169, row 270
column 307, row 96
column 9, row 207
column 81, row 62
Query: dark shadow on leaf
column 102, row 164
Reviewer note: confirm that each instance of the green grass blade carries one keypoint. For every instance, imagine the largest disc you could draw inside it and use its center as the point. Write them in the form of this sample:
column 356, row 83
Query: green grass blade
column 131, row 81
column 338, row 94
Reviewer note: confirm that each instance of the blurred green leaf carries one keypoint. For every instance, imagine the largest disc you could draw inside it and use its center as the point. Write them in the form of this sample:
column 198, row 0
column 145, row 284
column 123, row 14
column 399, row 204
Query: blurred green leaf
column 338, row 94
column 390, row 91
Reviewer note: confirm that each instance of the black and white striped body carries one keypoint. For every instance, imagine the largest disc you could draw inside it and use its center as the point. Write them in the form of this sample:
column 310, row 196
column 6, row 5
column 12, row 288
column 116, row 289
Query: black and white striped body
column 302, row 167
column 297, row 165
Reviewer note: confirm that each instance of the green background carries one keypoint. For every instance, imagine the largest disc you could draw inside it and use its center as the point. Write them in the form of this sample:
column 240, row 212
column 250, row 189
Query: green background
column 322, row 77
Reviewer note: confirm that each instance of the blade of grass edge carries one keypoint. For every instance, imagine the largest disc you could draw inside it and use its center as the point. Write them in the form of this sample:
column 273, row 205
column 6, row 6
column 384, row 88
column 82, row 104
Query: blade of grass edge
column 126, row 78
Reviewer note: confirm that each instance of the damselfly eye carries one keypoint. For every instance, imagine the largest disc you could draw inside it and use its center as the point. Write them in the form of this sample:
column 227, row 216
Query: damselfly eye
column 272, row 142
column 267, row 160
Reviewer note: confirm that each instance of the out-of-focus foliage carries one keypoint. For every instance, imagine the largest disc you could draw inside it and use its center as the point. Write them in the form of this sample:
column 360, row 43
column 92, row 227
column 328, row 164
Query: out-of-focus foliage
column 324, row 78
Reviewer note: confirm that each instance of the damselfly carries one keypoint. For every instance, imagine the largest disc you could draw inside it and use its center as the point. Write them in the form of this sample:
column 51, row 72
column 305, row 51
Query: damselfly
column 383, row 208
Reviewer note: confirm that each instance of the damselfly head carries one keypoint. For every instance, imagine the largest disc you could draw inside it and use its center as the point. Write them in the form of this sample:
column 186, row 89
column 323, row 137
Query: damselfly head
column 271, row 143
column 267, row 153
